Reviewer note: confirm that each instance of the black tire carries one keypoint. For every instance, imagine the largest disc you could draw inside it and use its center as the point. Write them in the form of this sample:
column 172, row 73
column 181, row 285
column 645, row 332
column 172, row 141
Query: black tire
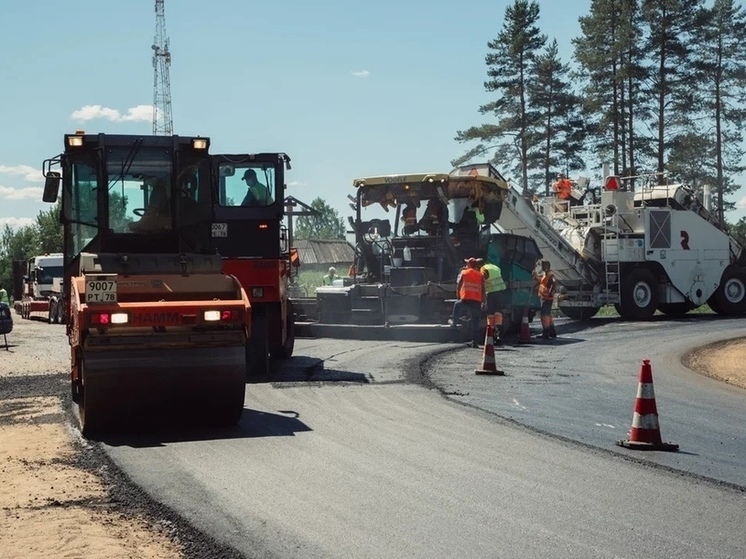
column 639, row 295
column 676, row 309
column 257, row 349
column 52, row 313
column 730, row 296
column 285, row 351
column 580, row 313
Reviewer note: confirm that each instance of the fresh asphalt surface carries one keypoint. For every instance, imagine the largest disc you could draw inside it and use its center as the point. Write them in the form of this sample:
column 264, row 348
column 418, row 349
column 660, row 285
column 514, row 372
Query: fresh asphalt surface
column 344, row 453
column 583, row 386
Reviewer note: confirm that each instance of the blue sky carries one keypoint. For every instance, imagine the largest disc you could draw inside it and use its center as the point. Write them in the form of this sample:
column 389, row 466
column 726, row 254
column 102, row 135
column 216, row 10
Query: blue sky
column 347, row 89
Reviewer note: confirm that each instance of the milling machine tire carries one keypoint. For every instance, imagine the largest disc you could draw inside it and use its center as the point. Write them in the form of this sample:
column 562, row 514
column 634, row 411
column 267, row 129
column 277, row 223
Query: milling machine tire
column 639, row 295
column 285, row 351
column 730, row 296
column 580, row 313
column 52, row 313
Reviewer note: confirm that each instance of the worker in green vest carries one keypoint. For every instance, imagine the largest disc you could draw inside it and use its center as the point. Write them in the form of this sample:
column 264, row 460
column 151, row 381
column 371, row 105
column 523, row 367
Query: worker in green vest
column 329, row 278
column 4, row 296
column 496, row 291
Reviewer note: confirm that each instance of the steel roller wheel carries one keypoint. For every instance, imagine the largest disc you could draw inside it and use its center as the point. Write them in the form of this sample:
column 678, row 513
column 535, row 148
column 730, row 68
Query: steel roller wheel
column 639, row 295
column 90, row 405
column 730, row 296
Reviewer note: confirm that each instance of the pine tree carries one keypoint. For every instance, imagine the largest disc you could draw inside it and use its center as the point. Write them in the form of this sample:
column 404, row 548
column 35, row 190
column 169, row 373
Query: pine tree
column 558, row 107
column 671, row 92
column 510, row 60
column 609, row 53
column 720, row 60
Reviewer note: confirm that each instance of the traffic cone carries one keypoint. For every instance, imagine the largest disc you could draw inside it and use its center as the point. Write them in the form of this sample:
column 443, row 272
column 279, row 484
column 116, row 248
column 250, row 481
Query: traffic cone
column 524, row 336
column 488, row 354
column 645, row 433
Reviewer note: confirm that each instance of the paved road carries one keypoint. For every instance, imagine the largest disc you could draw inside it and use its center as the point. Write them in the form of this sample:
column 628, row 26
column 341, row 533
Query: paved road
column 583, row 387
column 340, row 456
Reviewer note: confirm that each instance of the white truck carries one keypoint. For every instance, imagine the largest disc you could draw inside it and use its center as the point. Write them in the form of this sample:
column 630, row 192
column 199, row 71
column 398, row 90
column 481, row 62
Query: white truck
column 654, row 248
column 42, row 289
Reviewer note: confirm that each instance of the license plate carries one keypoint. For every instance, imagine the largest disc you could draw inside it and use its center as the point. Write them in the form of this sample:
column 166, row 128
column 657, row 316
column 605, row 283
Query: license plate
column 101, row 288
column 219, row 229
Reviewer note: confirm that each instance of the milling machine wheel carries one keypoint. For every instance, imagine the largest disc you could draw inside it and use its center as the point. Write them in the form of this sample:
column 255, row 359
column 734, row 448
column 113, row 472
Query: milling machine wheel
column 730, row 296
column 639, row 295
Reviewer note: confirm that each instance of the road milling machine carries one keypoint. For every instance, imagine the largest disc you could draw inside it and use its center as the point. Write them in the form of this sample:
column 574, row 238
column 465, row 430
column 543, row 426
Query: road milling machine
column 253, row 243
column 654, row 247
column 403, row 284
column 154, row 324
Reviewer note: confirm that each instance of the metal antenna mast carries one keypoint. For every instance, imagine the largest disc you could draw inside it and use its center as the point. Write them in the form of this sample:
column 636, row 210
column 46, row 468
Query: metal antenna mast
column 163, row 123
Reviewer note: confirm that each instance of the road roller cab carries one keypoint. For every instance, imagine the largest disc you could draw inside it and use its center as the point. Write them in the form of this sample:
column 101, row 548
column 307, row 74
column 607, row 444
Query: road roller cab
column 154, row 324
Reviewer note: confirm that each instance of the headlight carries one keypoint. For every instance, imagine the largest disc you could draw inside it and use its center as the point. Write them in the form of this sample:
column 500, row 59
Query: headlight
column 74, row 141
column 199, row 143
column 120, row 318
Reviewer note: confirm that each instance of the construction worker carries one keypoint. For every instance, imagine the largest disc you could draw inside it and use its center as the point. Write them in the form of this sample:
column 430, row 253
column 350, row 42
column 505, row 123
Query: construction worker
column 409, row 217
column 432, row 221
column 257, row 194
column 4, row 296
column 470, row 293
column 495, row 289
column 329, row 278
column 547, row 283
column 562, row 187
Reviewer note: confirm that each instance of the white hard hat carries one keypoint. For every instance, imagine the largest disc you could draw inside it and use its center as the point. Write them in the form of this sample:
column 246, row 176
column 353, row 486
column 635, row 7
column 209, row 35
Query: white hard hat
column 332, row 270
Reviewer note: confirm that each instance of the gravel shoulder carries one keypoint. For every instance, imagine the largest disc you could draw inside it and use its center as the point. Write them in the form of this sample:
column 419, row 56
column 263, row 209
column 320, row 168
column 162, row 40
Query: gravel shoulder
column 61, row 497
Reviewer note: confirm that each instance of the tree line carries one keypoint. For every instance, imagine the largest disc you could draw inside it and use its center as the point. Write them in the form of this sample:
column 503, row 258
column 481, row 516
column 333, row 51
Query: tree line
column 43, row 236
column 655, row 86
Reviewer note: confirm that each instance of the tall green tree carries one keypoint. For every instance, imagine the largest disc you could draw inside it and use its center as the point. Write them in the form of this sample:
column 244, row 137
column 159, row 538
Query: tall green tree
column 558, row 107
column 610, row 60
column 50, row 229
column 671, row 90
column 19, row 244
column 720, row 61
column 510, row 61
column 327, row 225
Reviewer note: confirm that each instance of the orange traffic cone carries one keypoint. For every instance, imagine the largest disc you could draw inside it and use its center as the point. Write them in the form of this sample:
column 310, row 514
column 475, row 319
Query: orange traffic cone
column 645, row 433
column 488, row 355
column 524, row 336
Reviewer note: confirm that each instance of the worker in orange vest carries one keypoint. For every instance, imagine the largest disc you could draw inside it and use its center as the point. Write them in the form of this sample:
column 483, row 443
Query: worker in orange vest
column 562, row 187
column 547, row 284
column 470, row 293
column 409, row 217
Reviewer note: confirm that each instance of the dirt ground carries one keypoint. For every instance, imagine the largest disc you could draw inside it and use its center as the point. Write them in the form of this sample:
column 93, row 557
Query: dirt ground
column 59, row 496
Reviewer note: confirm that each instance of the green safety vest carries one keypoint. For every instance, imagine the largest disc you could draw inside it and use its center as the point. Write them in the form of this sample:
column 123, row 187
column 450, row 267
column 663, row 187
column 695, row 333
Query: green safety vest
column 4, row 297
column 495, row 280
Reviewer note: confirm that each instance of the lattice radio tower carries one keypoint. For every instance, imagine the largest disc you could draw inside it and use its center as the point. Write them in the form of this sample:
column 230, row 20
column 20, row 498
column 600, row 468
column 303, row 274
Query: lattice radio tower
column 163, row 123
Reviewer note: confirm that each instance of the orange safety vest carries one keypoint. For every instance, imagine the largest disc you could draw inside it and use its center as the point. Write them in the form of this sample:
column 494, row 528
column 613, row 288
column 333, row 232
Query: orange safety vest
column 546, row 287
column 471, row 285
column 563, row 188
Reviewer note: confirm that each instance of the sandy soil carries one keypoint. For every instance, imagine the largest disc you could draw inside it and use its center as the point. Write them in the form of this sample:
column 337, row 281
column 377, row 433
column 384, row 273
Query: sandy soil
column 58, row 498
column 722, row 360
column 52, row 503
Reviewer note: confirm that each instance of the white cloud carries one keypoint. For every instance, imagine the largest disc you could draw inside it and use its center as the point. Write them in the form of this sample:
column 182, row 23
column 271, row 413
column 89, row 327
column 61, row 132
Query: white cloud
column 15, row 222
column 296, row 183
column 27, row 193
column 133, row 114
column 26, row 171
column 361, row 74
column 741, row 204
